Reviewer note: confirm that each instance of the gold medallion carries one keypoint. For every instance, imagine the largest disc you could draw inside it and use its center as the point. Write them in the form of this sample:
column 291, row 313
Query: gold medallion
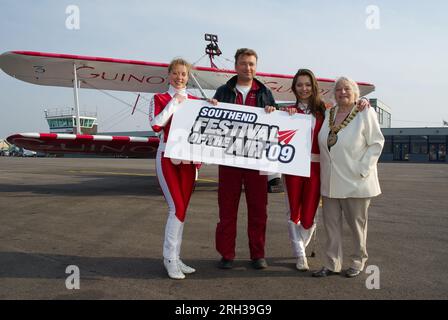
column 332, row 139
column 333, row 135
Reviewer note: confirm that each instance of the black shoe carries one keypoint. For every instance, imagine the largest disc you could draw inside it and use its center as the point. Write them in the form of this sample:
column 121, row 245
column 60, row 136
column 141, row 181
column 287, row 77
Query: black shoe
column 352, row 272
column 225, row 264
column 275, row 185
column 259, row 263
column 324, row 272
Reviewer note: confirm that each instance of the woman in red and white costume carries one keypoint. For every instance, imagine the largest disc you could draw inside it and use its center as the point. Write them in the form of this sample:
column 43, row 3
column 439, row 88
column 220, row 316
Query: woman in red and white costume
column 302, row 193
column 176, row 179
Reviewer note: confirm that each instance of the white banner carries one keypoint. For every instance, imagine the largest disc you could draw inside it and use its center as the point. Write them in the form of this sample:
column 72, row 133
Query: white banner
column 241, row 136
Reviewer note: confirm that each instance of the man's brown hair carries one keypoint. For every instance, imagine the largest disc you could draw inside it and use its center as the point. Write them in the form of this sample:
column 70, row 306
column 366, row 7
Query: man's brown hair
column 245, row 52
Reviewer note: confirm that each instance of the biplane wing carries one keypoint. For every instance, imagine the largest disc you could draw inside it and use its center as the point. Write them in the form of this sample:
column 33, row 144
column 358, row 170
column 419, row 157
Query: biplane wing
column 130, row 75
column 53, row 69
column 57, row 143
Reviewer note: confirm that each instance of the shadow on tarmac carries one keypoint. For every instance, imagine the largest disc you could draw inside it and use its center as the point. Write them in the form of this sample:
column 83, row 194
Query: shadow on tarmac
column 53, row 266
column 100, row 185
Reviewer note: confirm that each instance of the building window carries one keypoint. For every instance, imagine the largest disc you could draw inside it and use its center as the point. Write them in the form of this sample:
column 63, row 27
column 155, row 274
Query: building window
column 387, row 123
column 437, row 148
column 401, row 148
column 419, row 144
column 379, row 114
column 442, row 152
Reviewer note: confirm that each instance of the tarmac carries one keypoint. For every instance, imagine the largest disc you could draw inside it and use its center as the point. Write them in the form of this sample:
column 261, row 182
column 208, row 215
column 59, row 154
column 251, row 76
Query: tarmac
column 107, row 218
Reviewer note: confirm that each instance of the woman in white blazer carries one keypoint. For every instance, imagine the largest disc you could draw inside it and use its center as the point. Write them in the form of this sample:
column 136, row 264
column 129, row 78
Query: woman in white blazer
column 350, row 144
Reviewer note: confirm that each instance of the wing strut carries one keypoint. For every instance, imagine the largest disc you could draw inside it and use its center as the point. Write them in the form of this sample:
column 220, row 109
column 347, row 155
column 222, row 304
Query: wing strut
column 199, row 86
column 75, row 92
column 135, row 105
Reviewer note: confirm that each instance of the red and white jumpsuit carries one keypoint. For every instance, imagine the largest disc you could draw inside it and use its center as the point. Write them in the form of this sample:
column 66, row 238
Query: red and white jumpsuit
column 176, row 180
column 303, row 196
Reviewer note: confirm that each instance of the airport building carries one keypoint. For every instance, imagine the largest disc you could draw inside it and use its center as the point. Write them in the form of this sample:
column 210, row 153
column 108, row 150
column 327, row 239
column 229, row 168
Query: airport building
column 415, row 144
column 410, row 144
column 63, row 120
column 383, row 112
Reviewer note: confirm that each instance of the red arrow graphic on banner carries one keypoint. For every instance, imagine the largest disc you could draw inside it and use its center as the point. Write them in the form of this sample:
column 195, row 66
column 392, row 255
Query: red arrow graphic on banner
column 284, row 137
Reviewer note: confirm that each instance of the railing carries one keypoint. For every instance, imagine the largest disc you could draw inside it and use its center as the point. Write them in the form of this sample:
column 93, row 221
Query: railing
column 61, row 112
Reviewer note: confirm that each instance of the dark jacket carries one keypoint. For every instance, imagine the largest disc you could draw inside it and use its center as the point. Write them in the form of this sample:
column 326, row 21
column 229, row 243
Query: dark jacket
column 227, row 93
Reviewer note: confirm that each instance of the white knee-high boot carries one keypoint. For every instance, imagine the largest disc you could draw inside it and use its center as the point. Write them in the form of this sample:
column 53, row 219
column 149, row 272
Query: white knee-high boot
column 296, row 240
column 179, row 240
column 183, row 267
column 306, row 234
column 298, row 246
column 170, row 247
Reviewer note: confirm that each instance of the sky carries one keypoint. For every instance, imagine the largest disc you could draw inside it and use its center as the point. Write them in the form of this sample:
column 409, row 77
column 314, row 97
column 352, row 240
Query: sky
column 399, row 46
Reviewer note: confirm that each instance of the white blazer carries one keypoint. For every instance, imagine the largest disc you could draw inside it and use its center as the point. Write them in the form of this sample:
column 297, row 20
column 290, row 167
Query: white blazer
column 349, row 169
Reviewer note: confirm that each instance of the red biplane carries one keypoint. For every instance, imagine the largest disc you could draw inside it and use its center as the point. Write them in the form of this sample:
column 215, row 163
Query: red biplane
column 75, row 71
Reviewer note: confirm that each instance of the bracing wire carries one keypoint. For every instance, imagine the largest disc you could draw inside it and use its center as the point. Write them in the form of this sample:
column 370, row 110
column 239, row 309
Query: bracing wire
column 116, row 98
column 123, row 113
column 226, row 60
column 193, row 64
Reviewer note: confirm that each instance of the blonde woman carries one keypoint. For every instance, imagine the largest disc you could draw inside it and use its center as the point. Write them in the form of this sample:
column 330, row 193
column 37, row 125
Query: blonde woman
column 176, row 180
column 350, row 144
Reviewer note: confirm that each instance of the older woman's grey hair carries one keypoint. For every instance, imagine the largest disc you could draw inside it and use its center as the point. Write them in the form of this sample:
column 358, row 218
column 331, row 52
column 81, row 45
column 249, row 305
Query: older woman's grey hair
column 351, row 83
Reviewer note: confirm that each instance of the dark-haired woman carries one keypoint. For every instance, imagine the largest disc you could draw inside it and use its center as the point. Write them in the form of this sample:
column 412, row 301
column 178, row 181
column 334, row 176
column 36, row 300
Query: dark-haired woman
column 303, row 193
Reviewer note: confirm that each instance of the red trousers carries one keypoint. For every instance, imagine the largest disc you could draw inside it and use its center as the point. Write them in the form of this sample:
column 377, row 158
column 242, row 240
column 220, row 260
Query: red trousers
column 231, row 181
column 303, row 196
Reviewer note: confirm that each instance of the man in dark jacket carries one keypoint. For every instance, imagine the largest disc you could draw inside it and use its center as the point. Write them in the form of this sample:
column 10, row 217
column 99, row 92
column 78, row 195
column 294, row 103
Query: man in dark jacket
column 243, row 89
